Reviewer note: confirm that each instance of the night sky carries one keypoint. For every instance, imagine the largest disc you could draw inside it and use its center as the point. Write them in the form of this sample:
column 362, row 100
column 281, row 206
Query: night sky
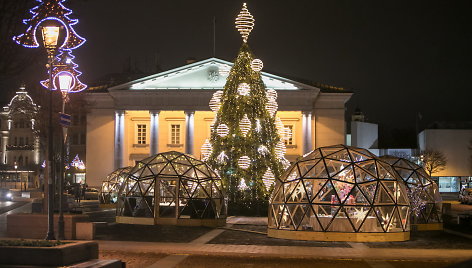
column 398, row 57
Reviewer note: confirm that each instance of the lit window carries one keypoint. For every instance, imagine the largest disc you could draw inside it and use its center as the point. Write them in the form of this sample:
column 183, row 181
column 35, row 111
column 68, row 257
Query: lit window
column 141, row 133
column 175, row 134
column 288, row 139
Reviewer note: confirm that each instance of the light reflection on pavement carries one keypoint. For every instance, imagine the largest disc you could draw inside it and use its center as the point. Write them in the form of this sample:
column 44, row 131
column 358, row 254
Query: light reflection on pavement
column 3, row 217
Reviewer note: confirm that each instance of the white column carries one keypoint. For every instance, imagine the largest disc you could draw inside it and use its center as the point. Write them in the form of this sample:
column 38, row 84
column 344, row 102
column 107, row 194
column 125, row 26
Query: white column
column 119, row 137
column 189, row 129
column 154, row 132
column 4, row 149
column 307, row 133
column 36, row 149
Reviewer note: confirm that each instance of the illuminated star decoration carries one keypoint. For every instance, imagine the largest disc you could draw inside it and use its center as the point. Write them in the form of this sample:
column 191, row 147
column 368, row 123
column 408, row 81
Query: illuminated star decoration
column 360, row 213
column 64, row 63
column 50, row 10
column 244, row 23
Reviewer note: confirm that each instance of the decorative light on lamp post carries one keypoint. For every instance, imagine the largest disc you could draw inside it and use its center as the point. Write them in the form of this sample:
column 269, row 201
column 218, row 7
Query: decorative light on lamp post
column 50, row 38
column 52, row 17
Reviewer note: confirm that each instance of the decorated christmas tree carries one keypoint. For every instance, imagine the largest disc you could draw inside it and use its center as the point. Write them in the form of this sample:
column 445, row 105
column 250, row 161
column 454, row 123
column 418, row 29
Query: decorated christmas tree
column 246, row 145
column 50, row 10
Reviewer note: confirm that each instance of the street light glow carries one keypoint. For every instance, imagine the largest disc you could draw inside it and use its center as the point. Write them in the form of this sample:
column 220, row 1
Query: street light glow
column 65, row 81
column 50, row 36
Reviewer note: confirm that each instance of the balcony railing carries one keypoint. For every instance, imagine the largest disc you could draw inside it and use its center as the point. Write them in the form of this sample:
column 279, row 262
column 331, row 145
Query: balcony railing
column 20, row 147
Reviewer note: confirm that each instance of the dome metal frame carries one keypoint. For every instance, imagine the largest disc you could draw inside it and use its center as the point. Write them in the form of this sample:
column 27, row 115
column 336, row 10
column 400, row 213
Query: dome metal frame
column 110, row 188
column 340, row 189
column 187, row 190
column 423, row 191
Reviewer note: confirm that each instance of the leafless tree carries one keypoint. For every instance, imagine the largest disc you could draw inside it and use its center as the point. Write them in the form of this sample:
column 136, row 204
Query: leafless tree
column 433, row 161
column 15, row 58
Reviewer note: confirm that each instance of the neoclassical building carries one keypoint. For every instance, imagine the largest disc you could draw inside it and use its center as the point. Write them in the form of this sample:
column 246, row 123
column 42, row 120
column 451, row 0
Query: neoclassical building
column 19, row 140
column 169, row 111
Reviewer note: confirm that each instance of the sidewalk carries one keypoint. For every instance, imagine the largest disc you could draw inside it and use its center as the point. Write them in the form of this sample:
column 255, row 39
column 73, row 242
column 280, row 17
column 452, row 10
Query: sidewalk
column 288, row 251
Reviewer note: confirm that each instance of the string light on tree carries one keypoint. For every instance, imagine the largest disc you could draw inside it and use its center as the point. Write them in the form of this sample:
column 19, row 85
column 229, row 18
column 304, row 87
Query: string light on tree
column 223, row 130
column 245, row 23
column 244, row 89
column 244, row 162
column 244, row 125
column 246, row 148
column 257, row 65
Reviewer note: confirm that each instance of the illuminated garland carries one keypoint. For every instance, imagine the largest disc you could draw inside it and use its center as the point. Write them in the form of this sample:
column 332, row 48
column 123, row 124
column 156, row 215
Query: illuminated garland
column 64, row 63
column 50, row 10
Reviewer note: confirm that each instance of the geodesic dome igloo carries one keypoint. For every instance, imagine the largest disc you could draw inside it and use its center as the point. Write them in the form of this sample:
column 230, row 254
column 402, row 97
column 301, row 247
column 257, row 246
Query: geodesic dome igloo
column 337, row 190
column 426, row 202
column 111, row 186
column 172, row 188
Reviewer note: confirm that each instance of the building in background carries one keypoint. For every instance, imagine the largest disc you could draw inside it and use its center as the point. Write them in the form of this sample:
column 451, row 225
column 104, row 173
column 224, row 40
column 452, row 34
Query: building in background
column 19, row 142
column 170, row 111
column 454, row 140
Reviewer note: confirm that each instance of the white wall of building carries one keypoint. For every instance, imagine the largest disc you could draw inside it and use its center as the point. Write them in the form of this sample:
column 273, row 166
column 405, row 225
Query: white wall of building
column 364, row 135
column 454, row 144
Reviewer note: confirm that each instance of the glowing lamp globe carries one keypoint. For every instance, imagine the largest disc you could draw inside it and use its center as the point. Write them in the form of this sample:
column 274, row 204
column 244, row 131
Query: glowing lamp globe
column 50, row 36
column 66, row 81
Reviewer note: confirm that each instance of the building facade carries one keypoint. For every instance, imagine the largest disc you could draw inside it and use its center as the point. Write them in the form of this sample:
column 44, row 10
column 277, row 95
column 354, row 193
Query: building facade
column 456, row 145
column 19, row 142
column 169, row 111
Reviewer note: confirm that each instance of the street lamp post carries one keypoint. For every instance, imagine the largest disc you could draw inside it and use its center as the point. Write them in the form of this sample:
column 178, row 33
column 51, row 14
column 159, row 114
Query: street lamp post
column 50, row 36
column 16, row 176
column 65, row 84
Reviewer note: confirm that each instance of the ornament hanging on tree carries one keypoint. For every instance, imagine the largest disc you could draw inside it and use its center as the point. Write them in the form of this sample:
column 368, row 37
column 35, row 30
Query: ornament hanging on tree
column 244, row 23
column 223, row 130
column 271, row 94
column 268, row 178
column 206, row 150
column 244, row 162
column 245, row 125
column 280, row 126
column 215, row 101
column 280, row 150
column 271, row 106
column 244, row 89
column 257, row 65
column 222, row 157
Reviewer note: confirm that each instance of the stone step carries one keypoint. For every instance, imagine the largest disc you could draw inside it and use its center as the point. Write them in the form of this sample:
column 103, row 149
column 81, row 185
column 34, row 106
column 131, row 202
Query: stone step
column 96, row 263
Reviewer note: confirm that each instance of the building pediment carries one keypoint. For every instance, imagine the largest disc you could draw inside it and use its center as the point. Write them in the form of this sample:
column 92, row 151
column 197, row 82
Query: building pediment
column 206, row 74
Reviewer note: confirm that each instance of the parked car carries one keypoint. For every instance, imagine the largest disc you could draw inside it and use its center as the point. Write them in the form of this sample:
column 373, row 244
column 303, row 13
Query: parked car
column 5, row 195
column 465, row 196
column 91, row 194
